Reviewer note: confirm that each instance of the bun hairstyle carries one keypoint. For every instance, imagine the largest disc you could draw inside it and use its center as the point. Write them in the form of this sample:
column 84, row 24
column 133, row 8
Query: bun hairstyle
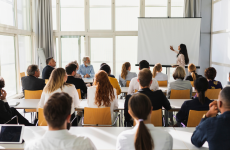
column 140, row 108
column 124, row 69
column 192, row 69
column 156, row 68
column 201, row 85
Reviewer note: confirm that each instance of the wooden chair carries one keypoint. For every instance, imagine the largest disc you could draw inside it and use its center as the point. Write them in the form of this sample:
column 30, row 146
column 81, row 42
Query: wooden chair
column 79, row 93
column 212, row 93
column 22, row 74
column 195, row 117
column 41, row 118
column 127, row 83
column 46, row 81
column 180, row 94
column 163, row 83
column 192, row 83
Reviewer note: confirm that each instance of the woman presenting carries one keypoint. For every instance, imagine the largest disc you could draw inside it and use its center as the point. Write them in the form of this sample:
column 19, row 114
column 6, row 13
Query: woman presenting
column 182, row 55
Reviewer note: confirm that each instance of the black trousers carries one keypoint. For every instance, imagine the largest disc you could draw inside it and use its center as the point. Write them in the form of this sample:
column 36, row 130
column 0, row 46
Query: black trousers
column 21, row 119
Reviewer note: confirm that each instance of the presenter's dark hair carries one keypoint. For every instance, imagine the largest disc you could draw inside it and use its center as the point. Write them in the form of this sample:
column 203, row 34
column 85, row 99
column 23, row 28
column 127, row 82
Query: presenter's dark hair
column 184, row 52
column 70, row 68
column 143, row 64
column 201, row 85
column 140, row 107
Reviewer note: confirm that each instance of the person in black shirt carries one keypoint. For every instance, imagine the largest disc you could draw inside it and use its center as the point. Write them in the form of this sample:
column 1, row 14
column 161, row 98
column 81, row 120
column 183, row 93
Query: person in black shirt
column 51, row 64
column 192, row 70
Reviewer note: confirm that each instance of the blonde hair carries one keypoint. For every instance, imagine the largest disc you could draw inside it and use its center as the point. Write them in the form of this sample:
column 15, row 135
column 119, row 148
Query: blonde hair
column 56, row 80
column 192, row 69
column 156, row 68
column 124, row 69
column 179, row 73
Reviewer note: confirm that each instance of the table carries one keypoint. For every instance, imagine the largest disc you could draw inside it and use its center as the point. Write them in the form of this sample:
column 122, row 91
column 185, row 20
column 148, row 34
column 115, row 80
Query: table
column 88, row 80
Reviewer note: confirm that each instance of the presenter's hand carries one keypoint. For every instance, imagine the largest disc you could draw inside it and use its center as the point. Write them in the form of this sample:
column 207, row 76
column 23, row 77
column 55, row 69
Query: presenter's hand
column 171, row 47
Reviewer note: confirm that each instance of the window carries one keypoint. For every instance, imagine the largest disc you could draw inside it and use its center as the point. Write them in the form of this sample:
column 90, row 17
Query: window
column 156, row 8
column 222, row 74
column 177, row 7
column 57, row 52
column 23, row 14
column 7, row 7
column 54, row 15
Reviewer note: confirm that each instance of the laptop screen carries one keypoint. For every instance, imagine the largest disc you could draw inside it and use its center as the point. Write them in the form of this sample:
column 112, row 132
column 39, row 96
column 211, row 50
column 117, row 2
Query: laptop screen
column 10, row 133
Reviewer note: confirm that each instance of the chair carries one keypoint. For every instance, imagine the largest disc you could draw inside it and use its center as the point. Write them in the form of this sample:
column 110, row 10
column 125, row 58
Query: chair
column 79, row 93
column 180, row 94
column 22, row 74
column 41, row 118
column 195, row 117
column 127, row 83
column 98, row 117
column 212, row 93
column 192, row 83
column 46, row 81
column 163, row 83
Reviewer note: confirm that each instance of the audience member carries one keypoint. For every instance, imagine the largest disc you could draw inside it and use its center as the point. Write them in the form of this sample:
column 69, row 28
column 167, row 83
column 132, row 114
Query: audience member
column 134, row 85
column 192, row 70
column 215, row 129
column 200, row 103
column 86, row 69
column 180, row 83
column 157, row 73
column 32, row 82
column 76, row 75
column 210, row 74
column 144, row 136
column 102, row 94
column 157, row 98
column 126, row 75
column 77, row 82
column 51, row 64
column 110, row 75
column 57, row 114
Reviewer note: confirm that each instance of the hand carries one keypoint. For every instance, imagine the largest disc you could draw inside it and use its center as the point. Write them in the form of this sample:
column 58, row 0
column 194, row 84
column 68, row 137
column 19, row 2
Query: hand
column 213, row 110
column 3, row 94
column 171, row 47
column 213, row 103
column 87, row 75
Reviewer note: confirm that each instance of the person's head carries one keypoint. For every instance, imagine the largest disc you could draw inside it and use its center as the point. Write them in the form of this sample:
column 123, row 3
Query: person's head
column 71, row 69
column 201, row 86
column 143, row 64
column 75, row 62
column 104, row 89
column 57, row 110
column 126, row 66
column 156, row 68
column 2, row 83
column 192, row 69
column 145, row 78
column 33, row 70
column 106, row 68
column 102, row 64
column 210, row 73
column 86, row 61
column 179, row 73
column 140, row 108
column 51, row 62
column 57, row 80
column 223, row 102
column 183, row 50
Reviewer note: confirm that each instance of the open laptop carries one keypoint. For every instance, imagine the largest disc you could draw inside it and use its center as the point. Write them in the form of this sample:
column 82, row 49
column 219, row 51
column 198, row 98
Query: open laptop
column 11, row 133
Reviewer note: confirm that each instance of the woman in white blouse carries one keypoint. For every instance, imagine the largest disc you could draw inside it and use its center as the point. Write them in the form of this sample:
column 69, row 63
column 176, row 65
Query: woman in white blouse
column 157, row 73
column 102, row 94
column 182, row 55
column 56, row 84
column 126, row 75
column 140, row 108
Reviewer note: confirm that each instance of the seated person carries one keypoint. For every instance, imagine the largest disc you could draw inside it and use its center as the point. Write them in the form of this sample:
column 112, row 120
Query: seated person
column 212, row 128
column 86, row 69
column 134, row 85
column 57, row 114
column 192, row 70
column 7, row 112
column 113, row 81
column 180, row 83
column 57, row 83
column 210, row 74
column 77, row 82
column 200, row 103
column 76, row 75
column 157, row 98
column 144, row 136
column 110, row 75
column 126, row 75
column 157, row 69
column 102, row 94
column 51, row 64
column 32, row 82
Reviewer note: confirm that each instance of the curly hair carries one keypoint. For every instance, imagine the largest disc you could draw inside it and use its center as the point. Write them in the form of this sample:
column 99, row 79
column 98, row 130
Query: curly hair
column 210, row 73
column 104, row 89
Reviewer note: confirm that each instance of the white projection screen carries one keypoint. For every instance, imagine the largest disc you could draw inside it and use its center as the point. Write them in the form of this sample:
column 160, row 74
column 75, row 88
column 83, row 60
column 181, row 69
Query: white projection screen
column 155, row 35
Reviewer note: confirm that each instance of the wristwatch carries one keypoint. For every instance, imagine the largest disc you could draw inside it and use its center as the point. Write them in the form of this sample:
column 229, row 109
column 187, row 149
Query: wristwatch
column 204, row 116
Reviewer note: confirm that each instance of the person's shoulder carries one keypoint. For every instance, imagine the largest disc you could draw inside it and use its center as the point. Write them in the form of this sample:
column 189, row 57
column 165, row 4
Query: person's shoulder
column 34, row 144
column 134, row 79
column 82, row 141
column 128, row 134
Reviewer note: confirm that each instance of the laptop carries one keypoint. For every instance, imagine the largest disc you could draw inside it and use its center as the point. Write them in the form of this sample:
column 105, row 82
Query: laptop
column 11, row 133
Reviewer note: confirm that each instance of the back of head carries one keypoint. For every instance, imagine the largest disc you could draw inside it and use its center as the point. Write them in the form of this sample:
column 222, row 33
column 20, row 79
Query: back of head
column 184, row 52
column 145, row 77
column 48, row 60
column 124, row 69
column 225, row 96
column 104, row 89
column 143, row 64
column 70, row 68
column 157, row 68
column 192, row 69
column 31, row 70
column 201, row 85
column 210, row 73
column 57, row 109
column 106, row 68
column 179, row 73
column 102, row 64
column 74, row 62
column 2, row 83
column 140, row 108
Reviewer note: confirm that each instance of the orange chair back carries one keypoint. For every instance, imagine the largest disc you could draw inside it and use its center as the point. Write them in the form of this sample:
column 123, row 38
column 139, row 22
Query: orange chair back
column 22, row 74
column 195, row 117
column 180, row 94
column 156, row 118
column 79, row 93
column 127, row 83
column 32, row 95
column 192, row 83
column 212, row 93
column 41, row 118
column 163, row 83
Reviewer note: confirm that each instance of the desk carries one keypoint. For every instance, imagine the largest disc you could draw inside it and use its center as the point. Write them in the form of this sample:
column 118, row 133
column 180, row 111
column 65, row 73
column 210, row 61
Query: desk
column 88, row 80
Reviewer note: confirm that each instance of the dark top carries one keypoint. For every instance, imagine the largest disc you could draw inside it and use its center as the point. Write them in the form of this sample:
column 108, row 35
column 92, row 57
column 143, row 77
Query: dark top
column 215, row 131
column 78, row 83
column 190, row 77
column 5, row 112
column 157, row 98
column 32, row 83
column 46, row 72
column 111, row 76
column 182, row 115
column 213, row 84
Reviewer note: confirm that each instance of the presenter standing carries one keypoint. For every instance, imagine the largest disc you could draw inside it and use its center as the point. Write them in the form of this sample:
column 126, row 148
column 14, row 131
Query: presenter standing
column 182, row 55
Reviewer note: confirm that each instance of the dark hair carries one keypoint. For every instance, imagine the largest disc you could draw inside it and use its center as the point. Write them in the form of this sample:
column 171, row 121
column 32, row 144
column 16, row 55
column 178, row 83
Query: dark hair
column 140, row 107
column 102, row 64
column 210, row 73
column 2, row 83
column 226, row 96
column 57, row 109
column 143, row 64
column 31, row 69
column 184, row 52
column 145, row 77
column 201, row 85
column 70, row 68
column 48, row 60
column 106, row 68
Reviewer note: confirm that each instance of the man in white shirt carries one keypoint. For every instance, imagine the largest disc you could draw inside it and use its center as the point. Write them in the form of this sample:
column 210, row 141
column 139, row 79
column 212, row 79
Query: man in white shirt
column 134, row 85
column 57, row 114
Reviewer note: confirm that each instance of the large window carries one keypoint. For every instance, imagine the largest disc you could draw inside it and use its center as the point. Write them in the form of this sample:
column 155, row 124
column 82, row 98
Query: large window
column 177, row 7
column 7, row 12
column 156, row 8
column 23, row 14
column 54, row 9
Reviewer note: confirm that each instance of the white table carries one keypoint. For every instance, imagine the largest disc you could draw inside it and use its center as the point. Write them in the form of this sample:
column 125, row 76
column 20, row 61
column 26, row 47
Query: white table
column 88, row 80
column 124, row 89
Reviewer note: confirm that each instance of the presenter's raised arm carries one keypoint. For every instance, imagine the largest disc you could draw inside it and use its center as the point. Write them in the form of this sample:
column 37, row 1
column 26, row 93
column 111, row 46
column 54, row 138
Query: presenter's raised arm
column 171, row 48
